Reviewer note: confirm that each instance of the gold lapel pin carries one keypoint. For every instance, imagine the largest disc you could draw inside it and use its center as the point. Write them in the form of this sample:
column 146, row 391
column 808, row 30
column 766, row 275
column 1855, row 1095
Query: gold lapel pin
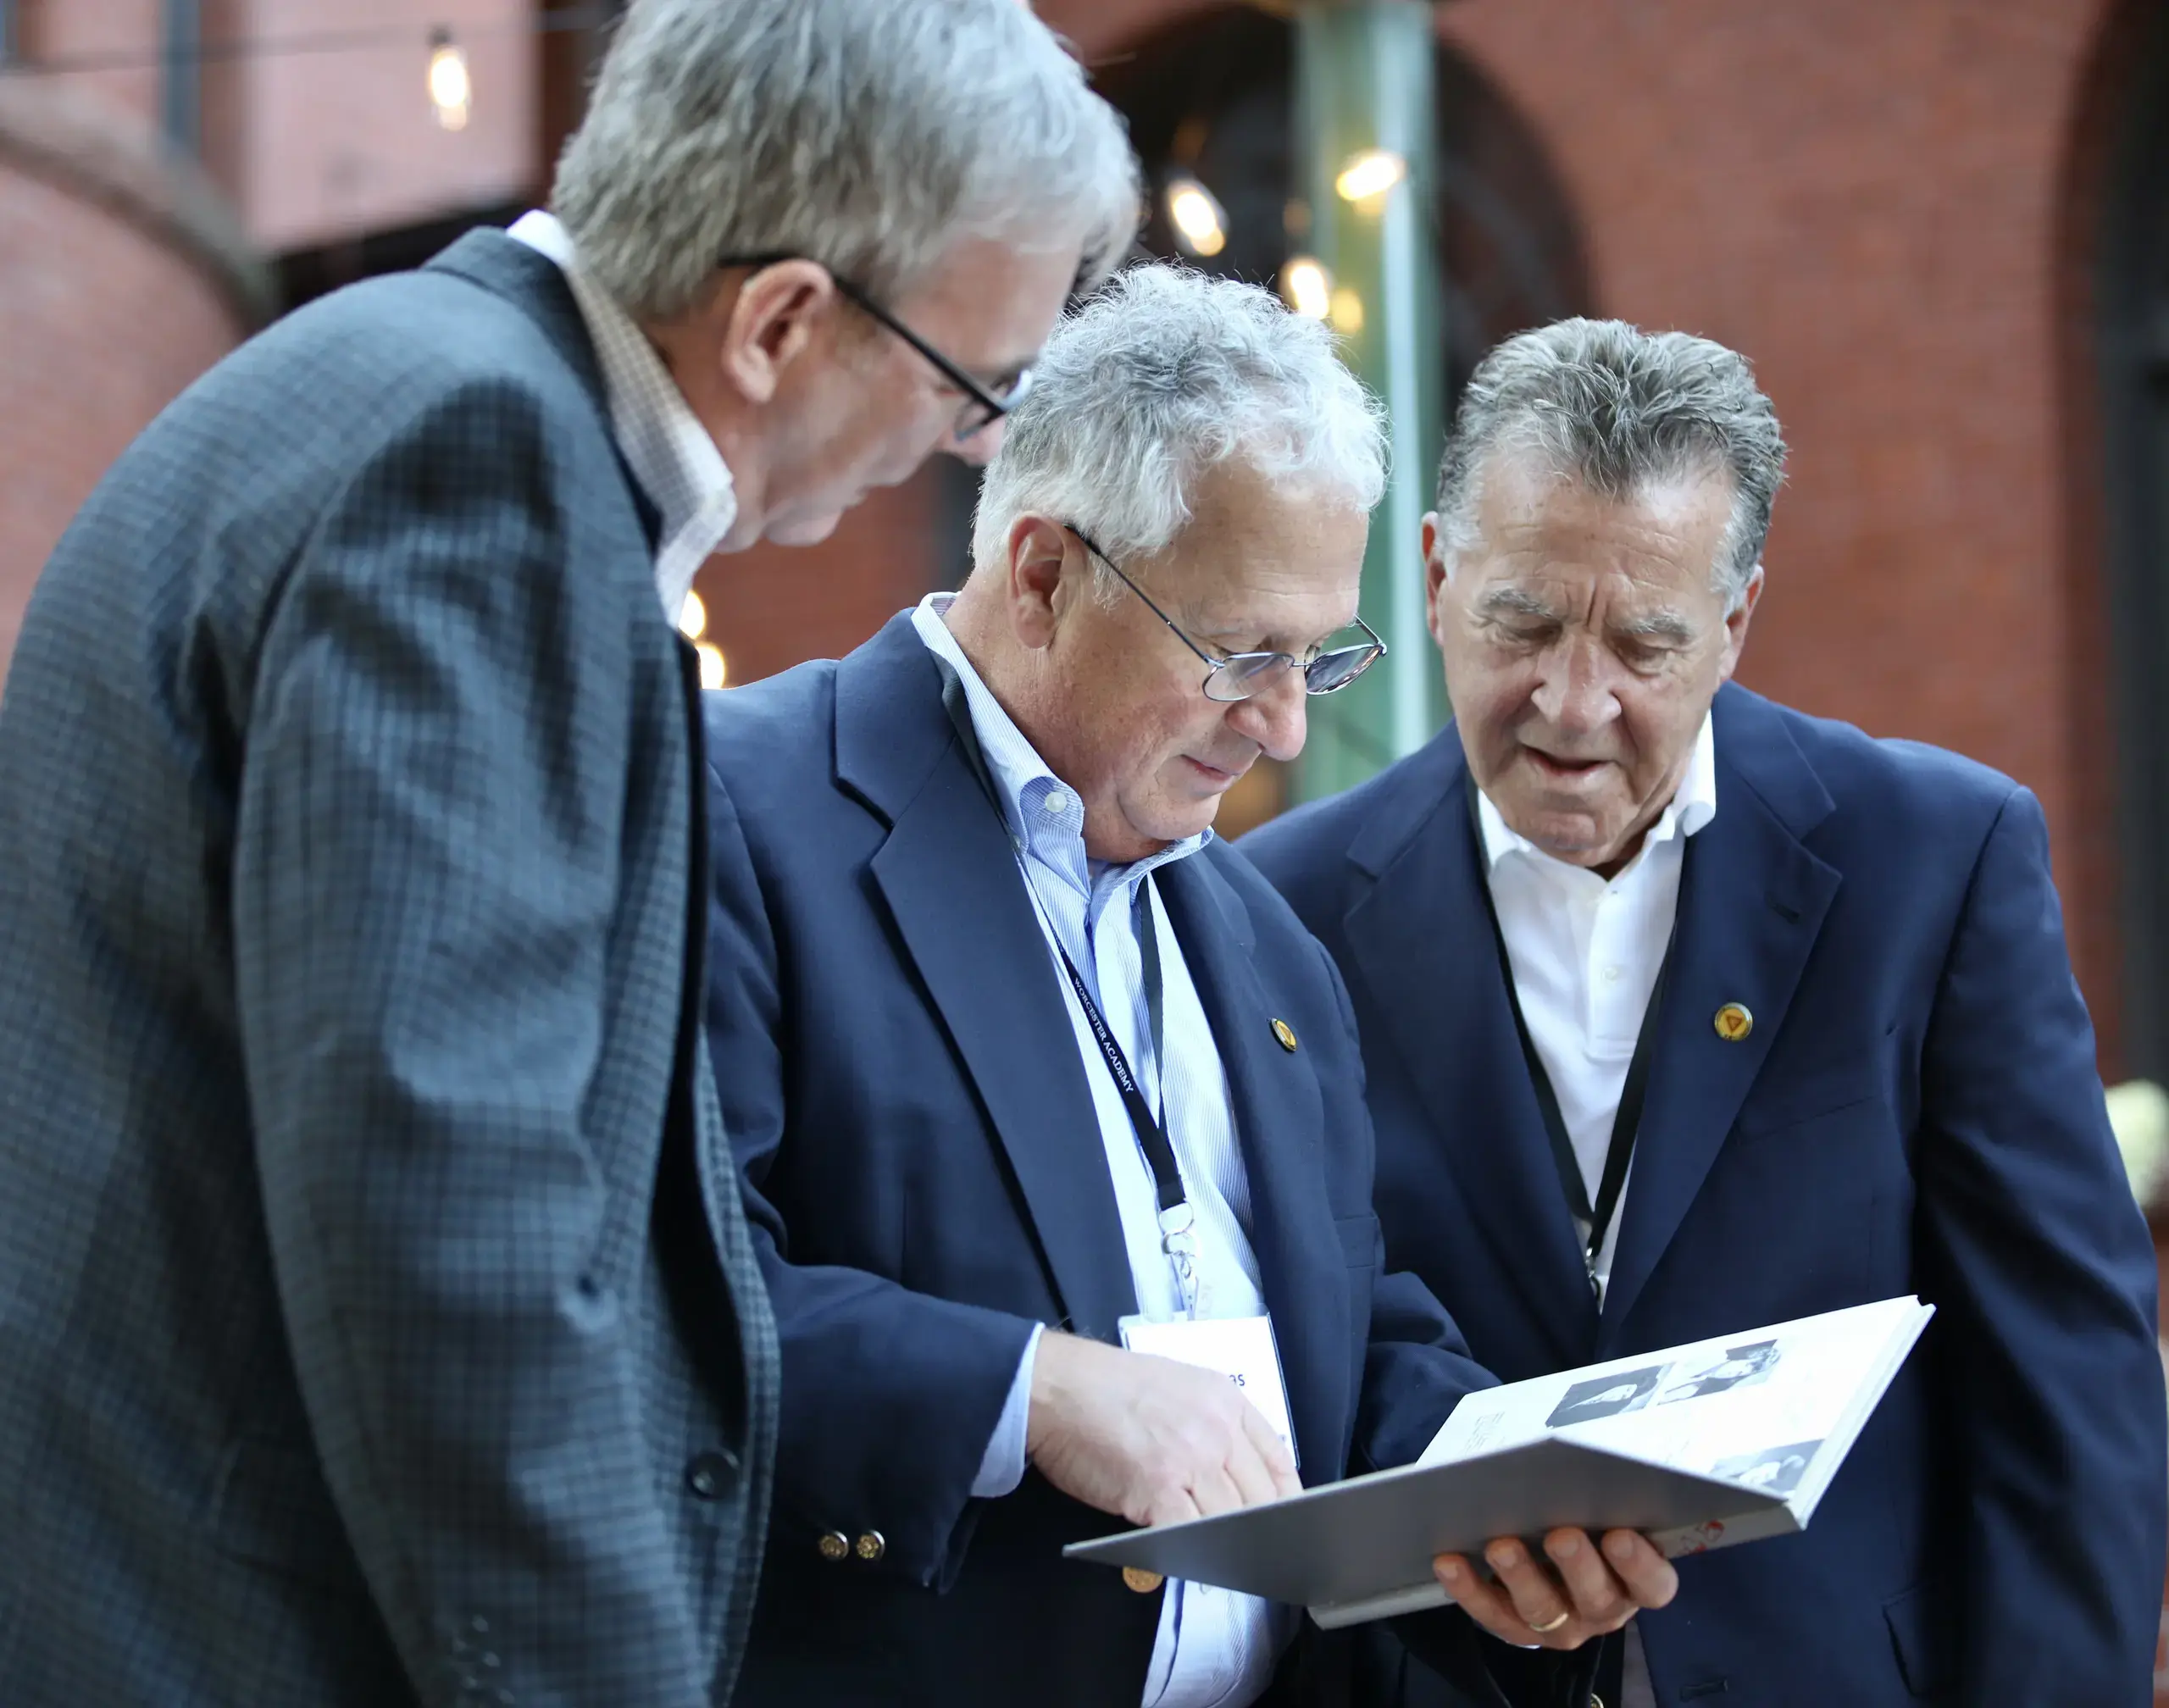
column 1734, row 1023
column 1143, row 1582
column 1286, row 1035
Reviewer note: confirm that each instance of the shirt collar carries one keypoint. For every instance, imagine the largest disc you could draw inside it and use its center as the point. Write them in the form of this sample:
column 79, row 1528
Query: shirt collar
column 1045, row 816
column 669, row 453
column 1692, row 806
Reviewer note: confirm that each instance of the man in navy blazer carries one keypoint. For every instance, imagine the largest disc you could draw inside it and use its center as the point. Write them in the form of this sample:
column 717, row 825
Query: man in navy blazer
column 964, row 890
column 1867, row 1070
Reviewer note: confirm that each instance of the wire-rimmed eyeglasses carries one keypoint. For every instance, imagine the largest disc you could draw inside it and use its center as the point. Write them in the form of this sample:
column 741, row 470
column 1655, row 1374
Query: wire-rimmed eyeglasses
column 1238, row 675
column 982, row 407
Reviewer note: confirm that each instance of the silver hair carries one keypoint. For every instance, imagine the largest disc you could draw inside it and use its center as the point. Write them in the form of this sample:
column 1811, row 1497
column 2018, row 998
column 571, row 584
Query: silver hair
column 868, row 135
column 1161, row 376
column 1620, row 410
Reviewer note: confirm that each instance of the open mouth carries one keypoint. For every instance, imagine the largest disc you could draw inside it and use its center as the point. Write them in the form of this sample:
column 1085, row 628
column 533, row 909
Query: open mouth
column 1562, row 770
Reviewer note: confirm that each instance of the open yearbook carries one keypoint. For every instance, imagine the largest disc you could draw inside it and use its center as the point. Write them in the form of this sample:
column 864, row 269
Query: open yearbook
column 1727, row 1440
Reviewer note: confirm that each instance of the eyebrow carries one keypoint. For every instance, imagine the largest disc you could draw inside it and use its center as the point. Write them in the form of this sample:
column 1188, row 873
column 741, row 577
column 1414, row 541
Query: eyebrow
column 1006, row 372
column 1226, row 638
column 1659, row 625
column 1518, row 601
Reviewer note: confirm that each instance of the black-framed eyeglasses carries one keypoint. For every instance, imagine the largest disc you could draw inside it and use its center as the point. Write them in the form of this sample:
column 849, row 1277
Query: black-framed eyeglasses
column 1238, row 675
column 981, row 408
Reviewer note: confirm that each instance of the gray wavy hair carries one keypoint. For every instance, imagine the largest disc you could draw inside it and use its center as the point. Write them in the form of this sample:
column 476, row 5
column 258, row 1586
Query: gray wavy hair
column 1158, row 377
column 866, row 135
column 1620, row 410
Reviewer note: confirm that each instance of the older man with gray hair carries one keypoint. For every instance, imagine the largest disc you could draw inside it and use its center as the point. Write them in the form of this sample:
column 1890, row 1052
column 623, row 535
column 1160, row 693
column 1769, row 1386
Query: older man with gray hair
column 1686, row 1013
column 1049, row 1112
column 377, row 1318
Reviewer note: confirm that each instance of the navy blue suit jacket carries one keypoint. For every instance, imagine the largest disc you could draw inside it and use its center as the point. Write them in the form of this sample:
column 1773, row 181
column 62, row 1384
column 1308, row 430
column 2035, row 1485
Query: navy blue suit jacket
column 1916, row 1110
column 924, row 1177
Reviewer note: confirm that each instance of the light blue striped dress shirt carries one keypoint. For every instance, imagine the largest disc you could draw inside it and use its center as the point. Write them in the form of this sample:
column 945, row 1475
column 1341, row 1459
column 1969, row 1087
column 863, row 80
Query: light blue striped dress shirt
column 1214, row 1649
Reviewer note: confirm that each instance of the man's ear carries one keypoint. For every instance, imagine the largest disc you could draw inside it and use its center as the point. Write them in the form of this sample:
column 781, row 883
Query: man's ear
column 776, row 314
column 1434, row 573
column 1736, row 622
column 1040, row 551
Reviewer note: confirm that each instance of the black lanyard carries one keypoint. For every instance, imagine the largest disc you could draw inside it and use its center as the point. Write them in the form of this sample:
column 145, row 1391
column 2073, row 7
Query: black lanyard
column 1152, row 1134
column 1597, row 1218
column 1176, row 1217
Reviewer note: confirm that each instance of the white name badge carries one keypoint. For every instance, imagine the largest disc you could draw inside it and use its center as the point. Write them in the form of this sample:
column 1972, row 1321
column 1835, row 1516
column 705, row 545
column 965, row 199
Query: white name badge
column 1240, row 1348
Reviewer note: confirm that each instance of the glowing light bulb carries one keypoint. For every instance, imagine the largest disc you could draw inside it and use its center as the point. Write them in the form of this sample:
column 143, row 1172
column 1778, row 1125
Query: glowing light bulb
column 714, row 673
column 1308, row 286
column 693, row 617
column 1369, row 173
column 451, row 89
column 1201, row 225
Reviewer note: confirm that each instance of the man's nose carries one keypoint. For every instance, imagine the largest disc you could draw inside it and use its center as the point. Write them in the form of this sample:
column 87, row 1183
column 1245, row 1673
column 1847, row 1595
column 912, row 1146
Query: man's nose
column 1575, row 696
column 1276, row 717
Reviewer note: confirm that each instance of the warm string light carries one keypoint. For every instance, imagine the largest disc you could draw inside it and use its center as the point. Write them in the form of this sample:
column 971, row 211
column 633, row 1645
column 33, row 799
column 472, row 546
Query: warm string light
column 693, row 624
column 1308, row 286
column 1200, row 223
column 451, row 88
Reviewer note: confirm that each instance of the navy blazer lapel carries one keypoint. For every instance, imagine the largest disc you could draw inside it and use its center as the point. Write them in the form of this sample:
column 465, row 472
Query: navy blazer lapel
column 1280, row 1118
column 1417, row 934
column 949, row 877
column 1750, row 911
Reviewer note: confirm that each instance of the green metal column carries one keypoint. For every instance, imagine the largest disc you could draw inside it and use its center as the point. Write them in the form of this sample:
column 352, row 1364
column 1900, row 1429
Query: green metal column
column 1364, row 94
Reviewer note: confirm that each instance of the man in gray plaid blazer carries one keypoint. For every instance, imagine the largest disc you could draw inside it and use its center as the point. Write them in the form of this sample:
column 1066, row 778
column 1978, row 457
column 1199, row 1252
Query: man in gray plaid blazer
column 377, row 1319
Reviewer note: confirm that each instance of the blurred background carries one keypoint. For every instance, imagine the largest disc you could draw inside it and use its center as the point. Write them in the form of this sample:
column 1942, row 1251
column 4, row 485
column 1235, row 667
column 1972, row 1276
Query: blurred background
column 1940, row 229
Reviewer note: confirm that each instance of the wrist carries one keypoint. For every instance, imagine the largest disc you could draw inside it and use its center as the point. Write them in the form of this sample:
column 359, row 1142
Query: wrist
column 1049, row 1362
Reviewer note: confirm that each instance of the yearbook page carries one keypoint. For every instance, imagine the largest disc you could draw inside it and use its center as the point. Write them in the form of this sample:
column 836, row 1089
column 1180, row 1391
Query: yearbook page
column 1774, row 1409
column 1700, row 1446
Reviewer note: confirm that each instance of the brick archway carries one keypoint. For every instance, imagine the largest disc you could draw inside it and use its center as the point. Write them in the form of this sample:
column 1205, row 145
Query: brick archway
column 137, row 280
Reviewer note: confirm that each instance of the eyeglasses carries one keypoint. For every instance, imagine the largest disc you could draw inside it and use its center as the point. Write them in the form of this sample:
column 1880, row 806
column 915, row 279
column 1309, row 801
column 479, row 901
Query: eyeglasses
column 982, row 407
column 1238, row 675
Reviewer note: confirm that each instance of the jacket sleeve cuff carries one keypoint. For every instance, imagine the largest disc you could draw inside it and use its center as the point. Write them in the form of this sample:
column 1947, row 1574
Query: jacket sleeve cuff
column 1001, row 1467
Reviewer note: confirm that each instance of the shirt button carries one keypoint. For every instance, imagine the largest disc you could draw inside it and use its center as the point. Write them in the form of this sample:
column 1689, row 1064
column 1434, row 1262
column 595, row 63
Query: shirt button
column 1056, row 801
column 1611, row 975
column 711, row 1475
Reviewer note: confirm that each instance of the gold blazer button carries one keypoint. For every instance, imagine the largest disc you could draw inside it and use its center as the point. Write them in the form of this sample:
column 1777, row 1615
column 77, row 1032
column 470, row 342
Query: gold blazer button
column 835, row 1546
column 872, row 1546
column 1286, row 1035
column 1734, row 1023
column 1136, row 1577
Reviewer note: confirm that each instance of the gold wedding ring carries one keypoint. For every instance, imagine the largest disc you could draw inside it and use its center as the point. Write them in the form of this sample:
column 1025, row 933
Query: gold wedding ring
column 1553, row 1624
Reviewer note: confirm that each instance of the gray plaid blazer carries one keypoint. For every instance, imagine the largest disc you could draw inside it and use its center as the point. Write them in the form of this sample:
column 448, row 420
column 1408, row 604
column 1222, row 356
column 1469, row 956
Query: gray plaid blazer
column 377, row 1321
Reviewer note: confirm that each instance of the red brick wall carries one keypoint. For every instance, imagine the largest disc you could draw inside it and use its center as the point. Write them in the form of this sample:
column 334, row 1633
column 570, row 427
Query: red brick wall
column 318, row 147
column 55, row 32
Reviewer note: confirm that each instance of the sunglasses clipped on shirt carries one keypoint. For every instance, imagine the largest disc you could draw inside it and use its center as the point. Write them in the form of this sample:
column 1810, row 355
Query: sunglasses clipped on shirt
column 1238, row 675
column 982, row 407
